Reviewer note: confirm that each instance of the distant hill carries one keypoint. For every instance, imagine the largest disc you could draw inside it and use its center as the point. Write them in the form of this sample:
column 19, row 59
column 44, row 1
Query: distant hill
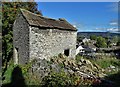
column 104, row 34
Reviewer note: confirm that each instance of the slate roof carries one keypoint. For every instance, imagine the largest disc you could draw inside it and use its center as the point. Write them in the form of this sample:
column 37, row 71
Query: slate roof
column 40, row 21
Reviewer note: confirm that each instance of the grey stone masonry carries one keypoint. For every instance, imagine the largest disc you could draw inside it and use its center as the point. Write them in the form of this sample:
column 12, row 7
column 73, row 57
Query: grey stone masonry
column 37, row 37
column 21, row 40
column 45, row 43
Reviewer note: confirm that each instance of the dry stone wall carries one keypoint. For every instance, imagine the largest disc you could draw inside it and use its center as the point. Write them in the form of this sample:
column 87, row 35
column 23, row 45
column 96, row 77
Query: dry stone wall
column 45, row 43
column 21, row 39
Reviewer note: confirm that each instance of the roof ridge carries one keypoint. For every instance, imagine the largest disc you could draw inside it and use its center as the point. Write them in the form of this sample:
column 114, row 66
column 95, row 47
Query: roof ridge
column 41, row 15
column 39, row 20
column 21, row 9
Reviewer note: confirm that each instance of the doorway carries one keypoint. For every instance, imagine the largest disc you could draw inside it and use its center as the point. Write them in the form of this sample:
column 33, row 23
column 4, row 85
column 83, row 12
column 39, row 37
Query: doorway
column 66, row 52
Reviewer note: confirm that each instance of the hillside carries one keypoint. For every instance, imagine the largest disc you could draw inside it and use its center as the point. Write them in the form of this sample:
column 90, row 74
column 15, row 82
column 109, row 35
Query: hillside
column 61, row 71
column 104, row 34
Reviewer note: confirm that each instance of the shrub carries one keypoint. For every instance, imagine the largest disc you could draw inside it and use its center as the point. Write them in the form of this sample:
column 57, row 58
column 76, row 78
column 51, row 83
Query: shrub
column 78, row 57
column 60, row 79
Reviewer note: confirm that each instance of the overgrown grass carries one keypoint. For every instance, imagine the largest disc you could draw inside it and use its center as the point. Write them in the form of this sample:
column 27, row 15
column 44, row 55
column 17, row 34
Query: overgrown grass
column 106, row 62
column 54, row 79
column 59, row 78
column 8, row 73
column 62, row 79
column 29, row 78
column 78, row 58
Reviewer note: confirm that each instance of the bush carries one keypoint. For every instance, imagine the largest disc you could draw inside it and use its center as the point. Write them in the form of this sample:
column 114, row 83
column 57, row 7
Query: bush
column 60, row 79
column 93, row 37
column 78, row 57
column 7, row 75
column 56, row 80
column 101, row 42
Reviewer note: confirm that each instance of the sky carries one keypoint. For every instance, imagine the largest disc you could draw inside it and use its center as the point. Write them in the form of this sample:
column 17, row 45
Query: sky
column 85, row 16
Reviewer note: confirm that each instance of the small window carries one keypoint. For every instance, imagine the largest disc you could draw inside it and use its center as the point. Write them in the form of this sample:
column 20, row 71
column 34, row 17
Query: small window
column 66, row 52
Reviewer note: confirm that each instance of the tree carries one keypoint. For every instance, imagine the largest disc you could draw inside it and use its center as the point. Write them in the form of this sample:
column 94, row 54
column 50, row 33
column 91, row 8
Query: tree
column 9, row 13
column 115, row 39
column 93, row 37
column 79, row 39
column 118, row 43
column 101, row 42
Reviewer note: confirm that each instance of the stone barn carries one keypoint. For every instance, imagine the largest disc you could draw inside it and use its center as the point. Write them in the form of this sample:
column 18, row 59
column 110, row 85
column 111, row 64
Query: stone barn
column 38, row 37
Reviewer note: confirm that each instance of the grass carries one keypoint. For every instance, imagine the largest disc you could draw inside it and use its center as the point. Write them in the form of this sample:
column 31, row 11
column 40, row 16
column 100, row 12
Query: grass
column 28, row 77
column 78, row 58
column 34, row 80
column 57, row 79
column 106, row 62
column 8, row 73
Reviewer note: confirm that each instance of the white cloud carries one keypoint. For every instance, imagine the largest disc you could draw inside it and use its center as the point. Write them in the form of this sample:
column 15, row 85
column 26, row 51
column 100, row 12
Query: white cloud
column 77, row 25
column 112, row 29
column 113, row 23
column 99, row 28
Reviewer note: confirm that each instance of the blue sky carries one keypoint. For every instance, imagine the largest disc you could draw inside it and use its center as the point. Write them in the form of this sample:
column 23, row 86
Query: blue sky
column 85, row 16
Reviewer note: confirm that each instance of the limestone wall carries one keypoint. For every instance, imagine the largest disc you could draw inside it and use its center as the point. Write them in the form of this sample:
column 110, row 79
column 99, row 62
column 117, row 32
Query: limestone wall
column 33, row 42
column 21, row 40
column 45, row 43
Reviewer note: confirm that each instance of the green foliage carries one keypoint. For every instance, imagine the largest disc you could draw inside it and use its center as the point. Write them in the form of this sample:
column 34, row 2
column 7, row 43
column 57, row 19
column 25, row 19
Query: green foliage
column 118, row 43
column 115, row 39
column 25, row 68
column 106, row 62
column 77, row 58
column 93, row 37
column 60, row 79
column 9, row 13
column 61, row 65
column 30, row 79
column 101, row 42
column 79, row 39
column 8, row 73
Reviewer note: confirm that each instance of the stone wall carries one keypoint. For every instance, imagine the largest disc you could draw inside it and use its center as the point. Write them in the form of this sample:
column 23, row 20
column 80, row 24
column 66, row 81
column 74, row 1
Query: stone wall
column 45, row 43
column 36, row 43
column 21, row 40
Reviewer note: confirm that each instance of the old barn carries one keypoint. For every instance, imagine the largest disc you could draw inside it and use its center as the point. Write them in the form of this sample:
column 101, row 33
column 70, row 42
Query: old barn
column 38, row 37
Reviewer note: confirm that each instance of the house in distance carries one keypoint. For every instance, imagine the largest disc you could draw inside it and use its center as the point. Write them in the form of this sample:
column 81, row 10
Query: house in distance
column 38, row 37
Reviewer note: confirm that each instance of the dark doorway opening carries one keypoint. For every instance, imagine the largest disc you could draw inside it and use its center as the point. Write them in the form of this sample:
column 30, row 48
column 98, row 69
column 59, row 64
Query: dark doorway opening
column 66, row 52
